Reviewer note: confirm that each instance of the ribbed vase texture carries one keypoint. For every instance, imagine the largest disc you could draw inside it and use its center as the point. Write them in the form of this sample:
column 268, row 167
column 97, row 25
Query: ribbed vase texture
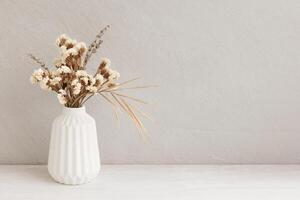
column 73, row 155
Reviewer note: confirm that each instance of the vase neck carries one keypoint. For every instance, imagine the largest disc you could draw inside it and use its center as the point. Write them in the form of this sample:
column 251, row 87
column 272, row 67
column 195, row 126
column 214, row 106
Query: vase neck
column 71, row 111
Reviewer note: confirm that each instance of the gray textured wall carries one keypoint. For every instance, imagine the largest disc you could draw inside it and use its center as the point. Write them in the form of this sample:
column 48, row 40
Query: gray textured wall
column 229, row 75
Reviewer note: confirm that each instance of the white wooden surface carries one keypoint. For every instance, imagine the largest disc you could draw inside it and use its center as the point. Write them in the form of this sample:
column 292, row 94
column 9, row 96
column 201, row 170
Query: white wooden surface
column 157, row 182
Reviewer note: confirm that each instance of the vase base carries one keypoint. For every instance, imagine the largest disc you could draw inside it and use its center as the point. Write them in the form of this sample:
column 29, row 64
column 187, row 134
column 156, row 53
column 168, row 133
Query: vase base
column 74, row 179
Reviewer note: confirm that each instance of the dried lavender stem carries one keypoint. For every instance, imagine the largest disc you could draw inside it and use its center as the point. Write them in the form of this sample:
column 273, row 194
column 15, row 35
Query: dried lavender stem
column 94, row 45
column 39, row 61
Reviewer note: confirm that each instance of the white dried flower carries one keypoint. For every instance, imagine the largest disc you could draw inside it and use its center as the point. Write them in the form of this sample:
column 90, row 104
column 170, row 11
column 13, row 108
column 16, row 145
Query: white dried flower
column 65, row 56
column 99, row 78
column 62, row 96
column 56, row 72
column 72, row 51
column 92, row 80
column 44, row 84
column 107, row 62
column 55, row 80
column 77, row 88
column 38, row 74
column 33, row 80
column 85, row 80
column 113, row 75
column 63, row 50
column 62, row 99
column 60, row 38
column 62, row 91
column 81, row 46
column 70, row 41
column 74, row 82
column 80, row 73
column 92, row 89
column 65, row 69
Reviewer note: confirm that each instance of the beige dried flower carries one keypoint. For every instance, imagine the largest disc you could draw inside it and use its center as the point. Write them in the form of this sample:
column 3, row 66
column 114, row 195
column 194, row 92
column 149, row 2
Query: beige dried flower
column 61, row 96
column 74, row 85
column 55, row 80
column 44, row 84
column 81, row 73
column 65, row 69
column 99, row 78
column 85, row 80
column 77, row 88
column 74, row 82
column 92, row 89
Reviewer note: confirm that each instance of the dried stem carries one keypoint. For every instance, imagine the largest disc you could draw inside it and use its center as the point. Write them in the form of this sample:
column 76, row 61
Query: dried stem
column 78, row 98
column 83, row 101
column 118, row 86
column 143, row 113
column 95, row 45
column 39, row 61
column 129, row 97
column 113, row 105
column 137, row 87
column 128, row 109
column 129, row 81
column 137, row 121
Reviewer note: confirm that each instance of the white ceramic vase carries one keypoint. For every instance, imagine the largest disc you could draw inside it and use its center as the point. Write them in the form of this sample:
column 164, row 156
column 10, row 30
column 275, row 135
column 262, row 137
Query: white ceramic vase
column 73, row 154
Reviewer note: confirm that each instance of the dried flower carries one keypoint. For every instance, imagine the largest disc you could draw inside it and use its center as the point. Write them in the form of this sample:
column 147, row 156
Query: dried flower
column 113, row 75
column 62, row 96
column 55, row 80
column 92, row 80
column 74, row 82
column 85, row 80
column 74, row 85
column 81, row 47
column 56, row 72
column 105, row 63
column 33, row 80
column 99, row 78
column 65, row 69
column 77, row 88
column 81, row 73
column 92, row 89
column 61, row 40
column 44, row 84
column 38, row 74
column 62, row 99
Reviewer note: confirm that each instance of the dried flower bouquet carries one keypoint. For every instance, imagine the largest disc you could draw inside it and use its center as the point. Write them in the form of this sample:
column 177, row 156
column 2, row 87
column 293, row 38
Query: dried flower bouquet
column 74, row 85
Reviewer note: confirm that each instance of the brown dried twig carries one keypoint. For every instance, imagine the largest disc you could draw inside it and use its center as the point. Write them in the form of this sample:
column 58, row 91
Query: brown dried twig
column 95, row 45
column 39, row 61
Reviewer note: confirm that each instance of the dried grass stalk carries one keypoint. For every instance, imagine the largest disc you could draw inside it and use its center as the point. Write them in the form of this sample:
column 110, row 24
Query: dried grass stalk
column 137, row 121
column 129, row 97
column 129, row 110
column 114, row 106
column 136, row 87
